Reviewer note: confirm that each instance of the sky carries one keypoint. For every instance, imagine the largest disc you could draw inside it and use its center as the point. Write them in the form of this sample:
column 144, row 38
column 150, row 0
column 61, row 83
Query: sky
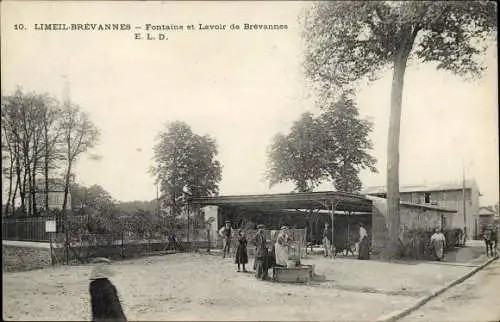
column 241, row 87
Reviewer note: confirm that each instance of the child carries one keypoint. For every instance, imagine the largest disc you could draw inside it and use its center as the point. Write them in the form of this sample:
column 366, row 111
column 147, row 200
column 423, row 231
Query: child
column 241, row 251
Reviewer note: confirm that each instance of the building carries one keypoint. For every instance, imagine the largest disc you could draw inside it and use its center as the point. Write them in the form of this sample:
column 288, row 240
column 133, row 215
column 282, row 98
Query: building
column 55, row 194
column 486, row 217
column 343, row 211
column 462, row 197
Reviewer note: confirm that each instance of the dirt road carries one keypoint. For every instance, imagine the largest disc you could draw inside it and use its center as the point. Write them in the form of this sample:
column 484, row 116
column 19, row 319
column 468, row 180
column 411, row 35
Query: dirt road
column 202, row 287
column 476, row 299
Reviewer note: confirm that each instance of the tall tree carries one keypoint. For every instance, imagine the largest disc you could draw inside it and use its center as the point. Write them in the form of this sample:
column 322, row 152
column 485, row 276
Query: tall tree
column 79, row 135
column 8, row 159
column 51, row 138
column 347, row 143
column 297, row 156
column 30, row 134
column 185, row 163
column 19, row 125
column 348, row 41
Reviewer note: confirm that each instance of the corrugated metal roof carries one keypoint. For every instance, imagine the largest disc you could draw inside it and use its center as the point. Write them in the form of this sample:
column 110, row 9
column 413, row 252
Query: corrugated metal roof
column 422, row 187
column 383, row 202
column 304, row 200
column 485, row 211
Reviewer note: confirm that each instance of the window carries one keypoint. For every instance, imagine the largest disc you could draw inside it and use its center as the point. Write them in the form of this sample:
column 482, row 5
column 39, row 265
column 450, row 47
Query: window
column 444, row 224
column 427, row 197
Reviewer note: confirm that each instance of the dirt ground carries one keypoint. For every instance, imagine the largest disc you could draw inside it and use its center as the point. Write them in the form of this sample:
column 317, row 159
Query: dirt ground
column 203, row 287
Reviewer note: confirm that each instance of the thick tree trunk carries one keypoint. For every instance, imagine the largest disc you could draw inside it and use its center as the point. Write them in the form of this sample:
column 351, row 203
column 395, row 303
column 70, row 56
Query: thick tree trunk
column 22, row 192
column 13, row 200
column 18, row 179
column 393, row 198
column 11, row 178
column 66, row 187
column 33, row 185
column 29, row 190
column 46, row 175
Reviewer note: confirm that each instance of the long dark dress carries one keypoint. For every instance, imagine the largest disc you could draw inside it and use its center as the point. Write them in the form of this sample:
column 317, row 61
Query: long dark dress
column 261, row 257
column 241, row 251
column 364, row 249
column 105, row 302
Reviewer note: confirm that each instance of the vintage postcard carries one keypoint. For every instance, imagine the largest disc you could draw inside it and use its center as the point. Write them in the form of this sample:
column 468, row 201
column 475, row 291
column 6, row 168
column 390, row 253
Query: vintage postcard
column 250, row 160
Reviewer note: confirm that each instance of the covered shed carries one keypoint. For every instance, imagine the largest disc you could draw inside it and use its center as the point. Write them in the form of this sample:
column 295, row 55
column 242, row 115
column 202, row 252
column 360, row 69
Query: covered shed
column 308, row 210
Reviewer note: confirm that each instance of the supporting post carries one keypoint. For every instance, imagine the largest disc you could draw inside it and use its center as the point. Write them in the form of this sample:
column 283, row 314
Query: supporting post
column 123, row 245
column 333, row 251
column 208, row 235
column 187, row 213
column 51, row 253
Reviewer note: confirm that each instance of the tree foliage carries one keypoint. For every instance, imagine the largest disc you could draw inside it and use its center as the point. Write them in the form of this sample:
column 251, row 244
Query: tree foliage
column 95, row 197
column 334, row 146
column 348, row 144
column 185, row 163
column 297, row 157
column 348, row 41
column 33, row 147
column 79, row 134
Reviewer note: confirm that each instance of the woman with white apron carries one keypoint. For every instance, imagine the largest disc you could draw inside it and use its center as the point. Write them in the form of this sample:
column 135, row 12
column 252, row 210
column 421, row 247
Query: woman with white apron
column 281, row 247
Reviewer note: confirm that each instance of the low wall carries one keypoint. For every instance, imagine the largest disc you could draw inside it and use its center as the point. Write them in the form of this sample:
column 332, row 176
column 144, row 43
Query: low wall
column 129, row 250
column 417, row 223
column 20, row 257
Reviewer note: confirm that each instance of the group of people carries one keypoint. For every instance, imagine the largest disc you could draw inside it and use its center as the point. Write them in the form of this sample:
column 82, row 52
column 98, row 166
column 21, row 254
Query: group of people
column 363, row 242
column 266, row 255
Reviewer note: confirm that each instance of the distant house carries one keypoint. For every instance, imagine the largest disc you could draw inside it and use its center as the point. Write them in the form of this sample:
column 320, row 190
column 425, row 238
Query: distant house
column 443, row 195
column 55, row 194
column 486, row 217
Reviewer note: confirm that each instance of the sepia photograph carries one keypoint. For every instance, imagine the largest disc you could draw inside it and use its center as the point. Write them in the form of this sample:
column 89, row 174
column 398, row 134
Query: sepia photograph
column 250, row 161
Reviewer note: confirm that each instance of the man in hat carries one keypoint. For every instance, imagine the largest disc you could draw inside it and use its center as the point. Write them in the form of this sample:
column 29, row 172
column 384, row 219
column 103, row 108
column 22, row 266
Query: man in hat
column 225, row 233
column 261, row 255
column 103, row 295
column 494, row 239
column 487, row 241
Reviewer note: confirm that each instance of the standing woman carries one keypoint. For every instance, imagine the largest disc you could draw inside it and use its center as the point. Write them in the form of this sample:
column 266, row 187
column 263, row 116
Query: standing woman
column 281, row 247
column 241, row 251
column 364, row 247
column 438, row 243
column 104, row 299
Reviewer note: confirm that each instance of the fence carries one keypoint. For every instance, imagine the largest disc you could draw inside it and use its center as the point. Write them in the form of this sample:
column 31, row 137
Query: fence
column 25, row 229
column 85, row 238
